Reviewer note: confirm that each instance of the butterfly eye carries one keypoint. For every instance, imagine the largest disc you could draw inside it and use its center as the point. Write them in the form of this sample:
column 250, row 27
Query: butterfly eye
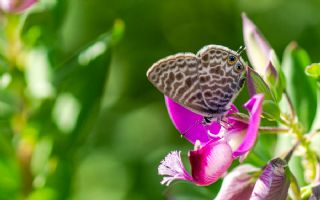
column 238, row 67
column 232, row 60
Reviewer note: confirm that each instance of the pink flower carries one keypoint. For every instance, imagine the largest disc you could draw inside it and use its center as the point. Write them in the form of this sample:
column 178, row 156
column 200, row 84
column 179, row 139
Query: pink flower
column 16, row 6
column 258, row 49
column 248, row 182
column 263, row 58
column 215, row 146
column 208, row 163
column 239, row 183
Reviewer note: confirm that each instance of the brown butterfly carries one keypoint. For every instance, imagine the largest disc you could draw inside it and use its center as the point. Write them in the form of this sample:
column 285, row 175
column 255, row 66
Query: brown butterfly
column 205, row 83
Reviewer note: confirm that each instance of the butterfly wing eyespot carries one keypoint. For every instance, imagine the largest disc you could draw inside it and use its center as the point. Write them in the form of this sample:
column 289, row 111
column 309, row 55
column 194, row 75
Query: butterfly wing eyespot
column 238, row 67
column 232, row 59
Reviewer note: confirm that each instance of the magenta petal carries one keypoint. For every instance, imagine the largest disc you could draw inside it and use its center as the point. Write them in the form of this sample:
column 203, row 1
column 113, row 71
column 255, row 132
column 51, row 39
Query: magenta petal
column 210, row 162
column 171, row 168
column 254, row 106
column 238, row 184
column 273, row 183
column 189, row 124
column 257, row 47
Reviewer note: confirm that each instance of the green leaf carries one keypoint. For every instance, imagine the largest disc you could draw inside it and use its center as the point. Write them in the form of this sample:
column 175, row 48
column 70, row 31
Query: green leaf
column 271, row 110
column 188, row 191
column 275, row 77
column 43, row 193
column 83, row 76
column 10, row 174
column 256, row 85
column 301, row 89
column 8, row 104
column 80, row 80
column 316, row 120
column 295, row 193
column 41, row 156
column 313, row 70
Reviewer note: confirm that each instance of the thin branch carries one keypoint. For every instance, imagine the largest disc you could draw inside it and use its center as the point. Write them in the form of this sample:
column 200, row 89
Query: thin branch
column 273, row 129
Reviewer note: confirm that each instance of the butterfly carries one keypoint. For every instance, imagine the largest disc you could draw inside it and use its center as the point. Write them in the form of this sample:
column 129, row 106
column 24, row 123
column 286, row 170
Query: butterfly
column 205, row 83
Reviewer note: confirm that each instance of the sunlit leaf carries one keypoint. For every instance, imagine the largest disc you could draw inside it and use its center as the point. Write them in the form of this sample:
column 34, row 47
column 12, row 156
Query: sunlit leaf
column 79, row 84
column 313, row 70
column 271, row 110
column 257, row 85
column 41, row 155
column 43, row 193
column 301, row 88
column 275, row 77
column 316, row 120
column 294, row 190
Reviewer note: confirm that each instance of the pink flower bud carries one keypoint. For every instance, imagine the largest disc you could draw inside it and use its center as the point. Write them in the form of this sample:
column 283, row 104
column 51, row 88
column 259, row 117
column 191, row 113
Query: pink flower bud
column 16, row 6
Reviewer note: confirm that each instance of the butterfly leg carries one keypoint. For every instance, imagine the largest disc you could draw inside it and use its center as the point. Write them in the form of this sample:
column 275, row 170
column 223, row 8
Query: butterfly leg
column 207, row 120
column 223, row 122
column 196, row 123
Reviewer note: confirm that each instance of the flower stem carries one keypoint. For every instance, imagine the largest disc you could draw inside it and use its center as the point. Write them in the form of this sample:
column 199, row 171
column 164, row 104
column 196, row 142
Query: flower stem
column 273, row 129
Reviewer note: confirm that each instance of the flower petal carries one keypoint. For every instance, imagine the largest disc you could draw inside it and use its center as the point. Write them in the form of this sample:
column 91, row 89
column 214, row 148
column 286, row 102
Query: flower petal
column 210, row 162
column 238, row 184
column 189, row 124
column 254, row 106
column 172, row 168
column 236, row 136
column 257, row 47
column 16, row 6
column 273, row 182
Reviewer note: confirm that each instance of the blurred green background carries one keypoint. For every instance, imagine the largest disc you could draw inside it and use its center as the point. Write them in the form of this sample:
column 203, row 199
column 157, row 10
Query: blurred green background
column 79, row 119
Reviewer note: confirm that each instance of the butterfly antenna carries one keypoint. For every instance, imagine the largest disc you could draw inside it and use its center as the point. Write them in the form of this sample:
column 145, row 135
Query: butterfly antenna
column 241, row 49
column 196, row 123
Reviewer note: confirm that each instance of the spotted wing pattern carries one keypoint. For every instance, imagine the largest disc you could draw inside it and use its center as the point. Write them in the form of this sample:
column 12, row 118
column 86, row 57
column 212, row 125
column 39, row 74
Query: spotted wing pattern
column 204, row 83
column 177, row 77
column 219, row 82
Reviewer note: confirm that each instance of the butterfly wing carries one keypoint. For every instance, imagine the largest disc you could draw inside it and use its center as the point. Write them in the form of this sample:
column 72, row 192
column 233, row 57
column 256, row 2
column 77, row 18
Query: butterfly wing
column 177, row 77
column 218, row 81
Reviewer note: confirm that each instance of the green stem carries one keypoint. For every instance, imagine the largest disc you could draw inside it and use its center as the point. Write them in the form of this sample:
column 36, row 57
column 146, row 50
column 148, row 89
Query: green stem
column 273, row 129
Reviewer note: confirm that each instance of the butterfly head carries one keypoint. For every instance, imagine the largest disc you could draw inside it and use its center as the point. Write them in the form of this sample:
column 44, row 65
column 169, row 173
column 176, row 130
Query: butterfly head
column 236, row 62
